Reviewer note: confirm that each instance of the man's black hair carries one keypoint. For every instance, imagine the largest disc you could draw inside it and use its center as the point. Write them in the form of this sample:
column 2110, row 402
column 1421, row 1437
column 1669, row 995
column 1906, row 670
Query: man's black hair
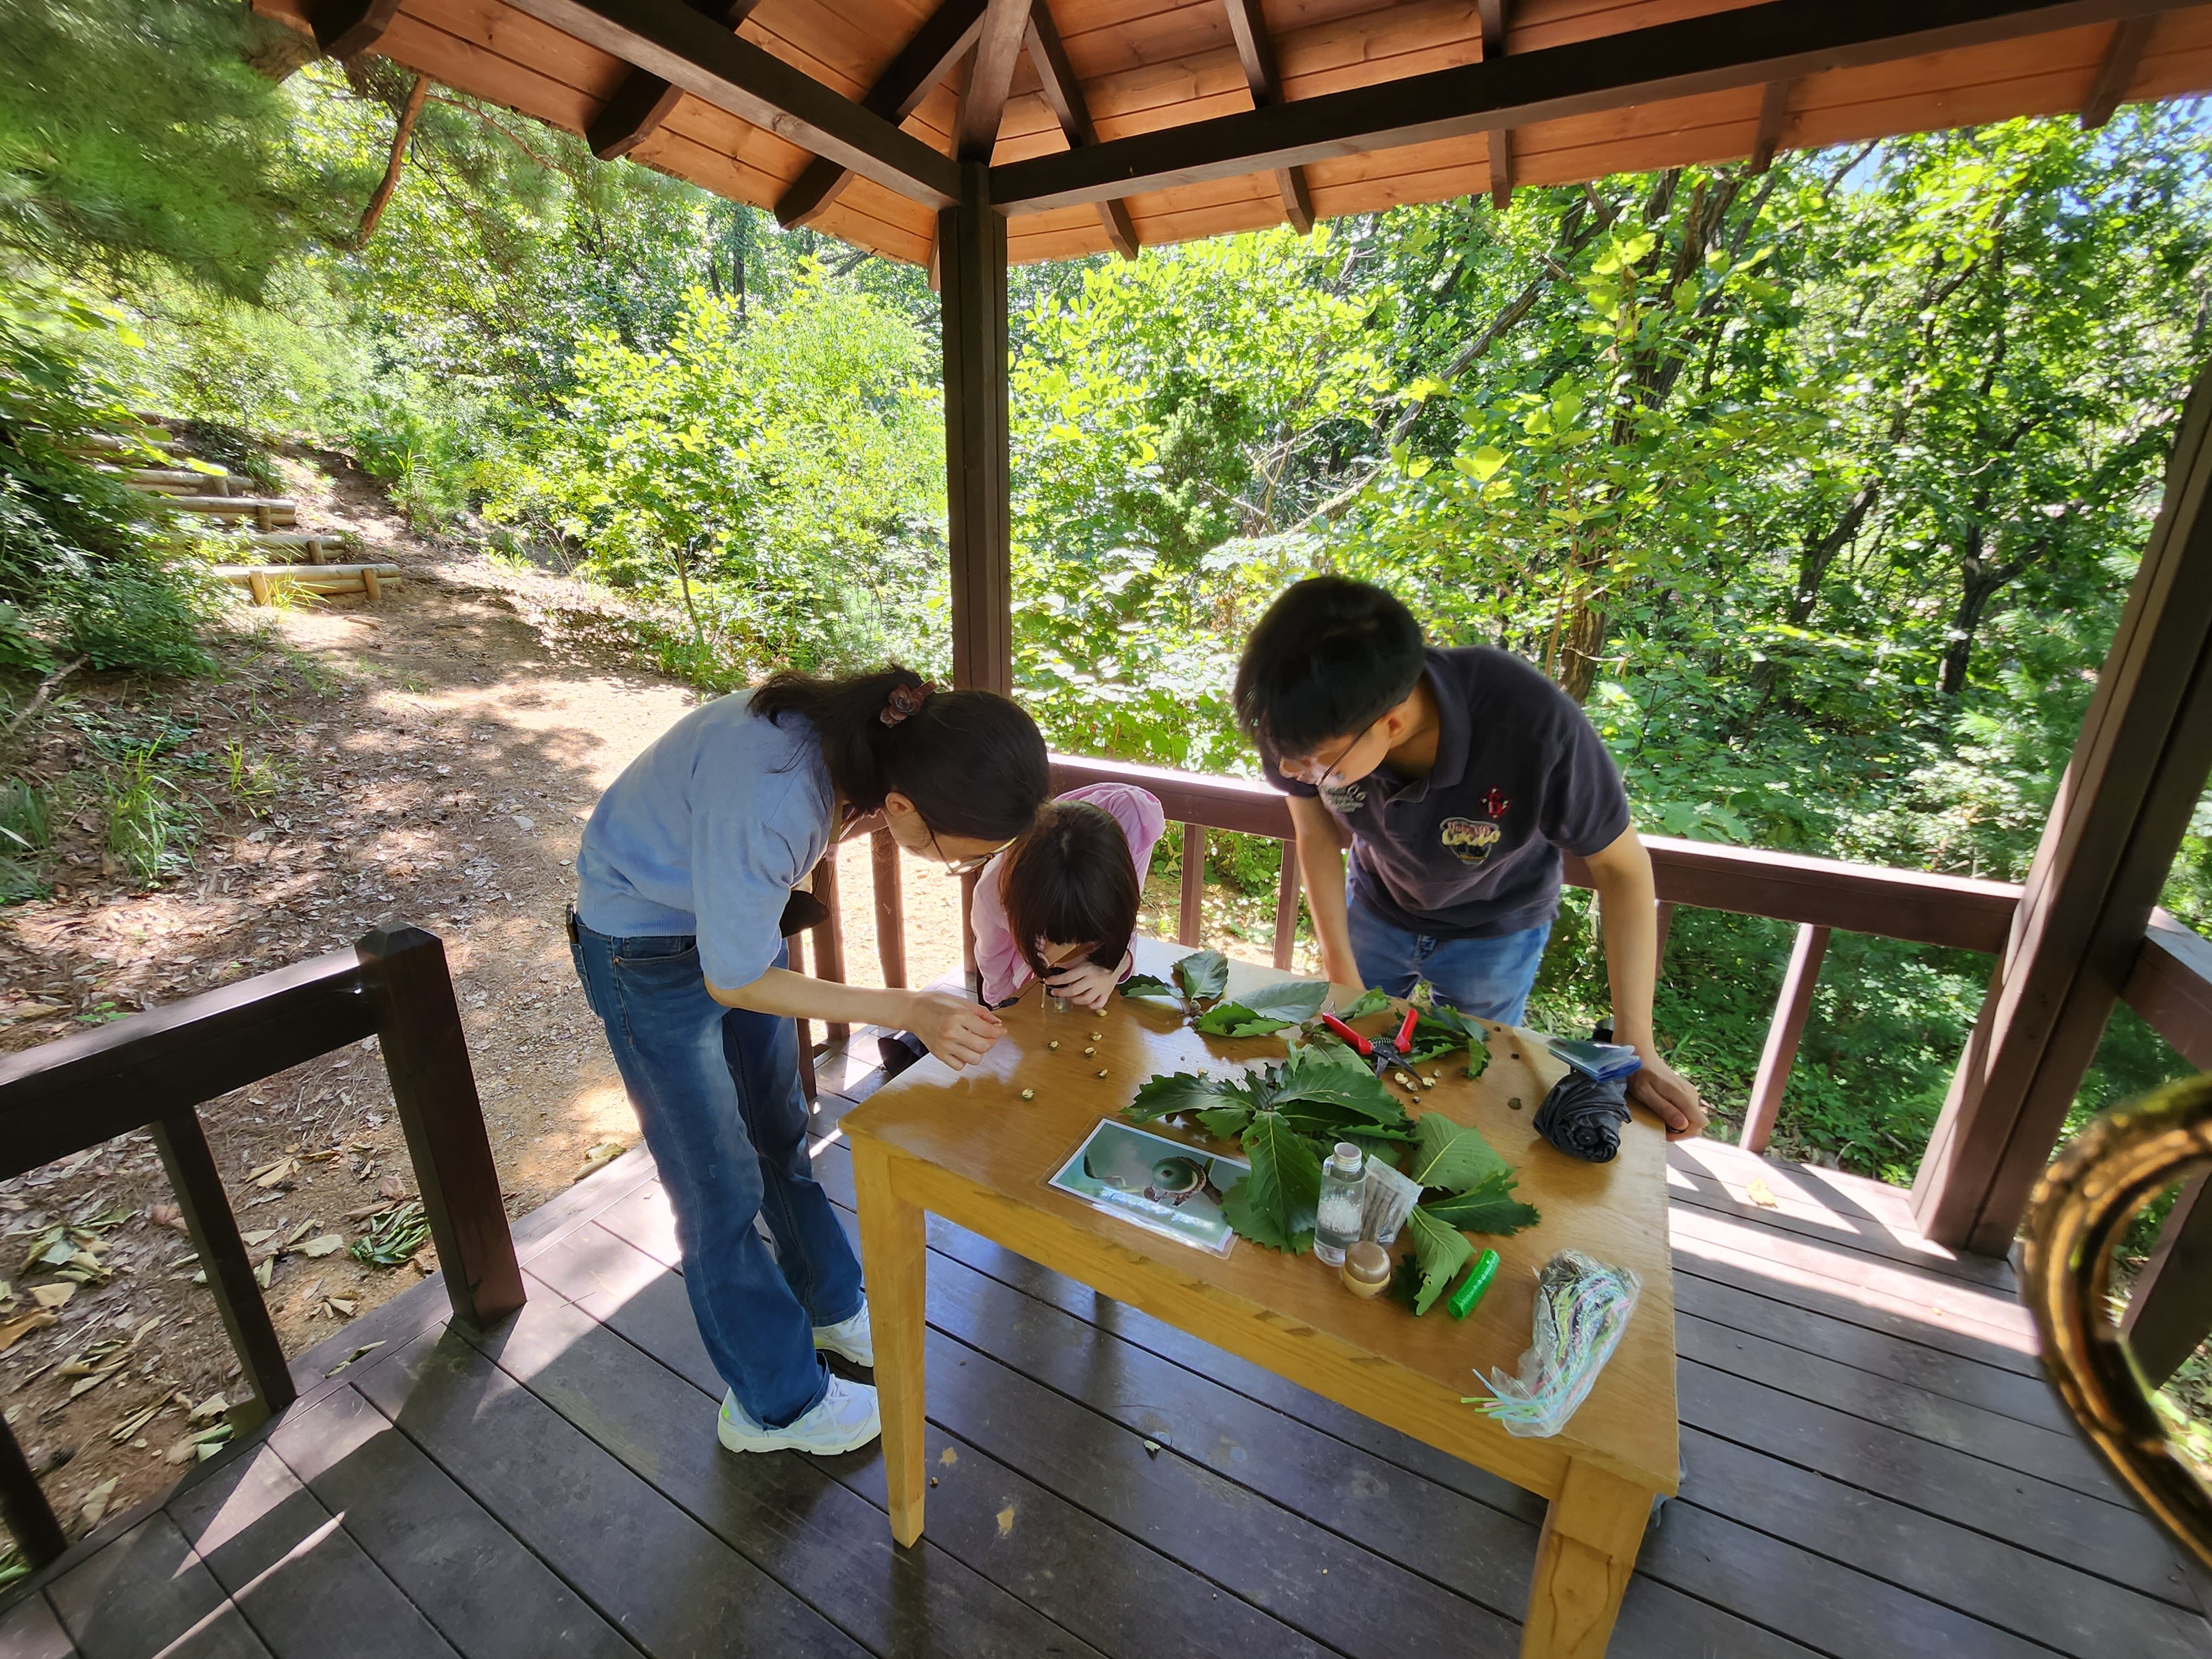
column 1331, row 657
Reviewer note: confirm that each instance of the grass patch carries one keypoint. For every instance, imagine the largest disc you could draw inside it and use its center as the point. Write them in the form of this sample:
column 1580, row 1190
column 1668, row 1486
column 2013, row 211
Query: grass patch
column 150, row 824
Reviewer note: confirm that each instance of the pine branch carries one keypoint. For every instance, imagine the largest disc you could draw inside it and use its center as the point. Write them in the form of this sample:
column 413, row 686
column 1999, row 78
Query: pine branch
column 405, row 130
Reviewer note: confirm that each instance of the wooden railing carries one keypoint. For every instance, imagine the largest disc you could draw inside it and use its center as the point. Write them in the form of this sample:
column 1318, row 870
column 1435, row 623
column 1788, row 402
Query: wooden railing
column 152, row 1071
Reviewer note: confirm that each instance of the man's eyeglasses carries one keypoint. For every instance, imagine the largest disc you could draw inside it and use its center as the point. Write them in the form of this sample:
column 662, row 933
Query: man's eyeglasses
column 1328, row 774
column 969, row 865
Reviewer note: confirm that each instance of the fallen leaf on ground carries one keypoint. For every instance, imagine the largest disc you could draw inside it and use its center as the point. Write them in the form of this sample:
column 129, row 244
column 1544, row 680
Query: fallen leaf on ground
column 52, row 1295
column 1005, row 1520
column 600, row 1155
column 949, row 1456
column 17, row 1328
column 209, row 1408
column 328, row 1244
column 95, row 1502
column 1761, row 1194
column 167, row 1215
column 365, row 1348
column 261, row 1237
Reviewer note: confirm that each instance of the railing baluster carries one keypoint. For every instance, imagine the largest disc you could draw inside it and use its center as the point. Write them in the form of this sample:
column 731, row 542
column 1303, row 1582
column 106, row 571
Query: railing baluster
column 1783, row 1035
column 1191, row 925
column 30, row 1518
column 890, row 910
column 1287, row 906
column 2171, row 1309
column 214, row 1230
column 830, row 936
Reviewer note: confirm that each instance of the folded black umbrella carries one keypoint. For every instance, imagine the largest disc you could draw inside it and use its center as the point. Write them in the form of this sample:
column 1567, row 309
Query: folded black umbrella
column 1583, row 1115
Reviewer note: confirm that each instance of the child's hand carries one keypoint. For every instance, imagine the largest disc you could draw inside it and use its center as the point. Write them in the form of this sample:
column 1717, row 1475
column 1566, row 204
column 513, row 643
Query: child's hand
column 1667, row 1094
column 955, row 1029
column 1083, row 983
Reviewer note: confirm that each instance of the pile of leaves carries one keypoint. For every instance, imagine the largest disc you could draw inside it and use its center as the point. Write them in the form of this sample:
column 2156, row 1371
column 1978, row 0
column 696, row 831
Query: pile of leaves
column 1285, row 1115
column 1201, row 979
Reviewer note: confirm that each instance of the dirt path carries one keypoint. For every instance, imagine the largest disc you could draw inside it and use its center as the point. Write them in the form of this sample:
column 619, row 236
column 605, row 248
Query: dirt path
column 429, row 760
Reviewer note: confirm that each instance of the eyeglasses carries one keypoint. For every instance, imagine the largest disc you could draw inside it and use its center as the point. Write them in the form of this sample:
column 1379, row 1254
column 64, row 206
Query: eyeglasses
column 969, row 865
column 1328, row 774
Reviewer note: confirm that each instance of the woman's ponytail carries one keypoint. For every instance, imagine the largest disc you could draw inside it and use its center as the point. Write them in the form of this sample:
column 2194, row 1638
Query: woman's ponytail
column 971, row 761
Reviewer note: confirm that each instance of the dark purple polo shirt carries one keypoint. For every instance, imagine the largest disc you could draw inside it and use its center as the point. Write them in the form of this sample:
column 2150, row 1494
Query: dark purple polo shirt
column 1472, row 850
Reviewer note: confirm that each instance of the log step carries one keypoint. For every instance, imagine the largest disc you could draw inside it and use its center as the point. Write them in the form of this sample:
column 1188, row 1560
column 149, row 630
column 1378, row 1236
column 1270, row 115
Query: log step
column 267, row 511
column 301, row 546
column 325, row 579
column 174, row 481
column 109, row 443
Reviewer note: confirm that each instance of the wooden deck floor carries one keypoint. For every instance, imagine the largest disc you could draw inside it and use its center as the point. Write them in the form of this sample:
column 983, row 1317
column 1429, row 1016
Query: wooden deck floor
column 1875, row 1467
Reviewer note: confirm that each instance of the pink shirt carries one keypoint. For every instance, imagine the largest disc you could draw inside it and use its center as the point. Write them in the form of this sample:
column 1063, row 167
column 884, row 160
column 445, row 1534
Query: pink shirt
column 1004, row 974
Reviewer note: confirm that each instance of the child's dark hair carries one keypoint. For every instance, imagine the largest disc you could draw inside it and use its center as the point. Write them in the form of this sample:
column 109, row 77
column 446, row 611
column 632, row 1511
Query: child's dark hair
column 1329, row 659
column 1072, row 881
column 971, row 761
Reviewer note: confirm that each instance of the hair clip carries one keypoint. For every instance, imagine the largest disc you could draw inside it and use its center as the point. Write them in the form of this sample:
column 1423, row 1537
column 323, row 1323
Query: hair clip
column 905, row 700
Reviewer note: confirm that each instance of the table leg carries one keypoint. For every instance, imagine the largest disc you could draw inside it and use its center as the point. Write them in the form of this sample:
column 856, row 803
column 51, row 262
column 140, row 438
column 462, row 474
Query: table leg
column 1583, row 1559
column 894, row 1255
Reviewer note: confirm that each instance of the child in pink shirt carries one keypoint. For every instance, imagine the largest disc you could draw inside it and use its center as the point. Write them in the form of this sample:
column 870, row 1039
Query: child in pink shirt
column 1072, row 885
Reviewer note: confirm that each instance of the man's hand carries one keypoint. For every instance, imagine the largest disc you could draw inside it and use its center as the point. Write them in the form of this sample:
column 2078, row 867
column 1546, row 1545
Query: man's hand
column 1667, row 1094
column 1084, row 983
column 957, row 1031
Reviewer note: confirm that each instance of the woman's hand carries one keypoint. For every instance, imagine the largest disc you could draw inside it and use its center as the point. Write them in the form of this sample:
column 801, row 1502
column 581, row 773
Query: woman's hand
column 1085, row 984
column 957, row 1031
column 1666, row 1093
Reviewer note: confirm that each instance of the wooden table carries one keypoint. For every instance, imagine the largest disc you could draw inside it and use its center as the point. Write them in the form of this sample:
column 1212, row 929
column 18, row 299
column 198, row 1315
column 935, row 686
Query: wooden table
column 967, row 1146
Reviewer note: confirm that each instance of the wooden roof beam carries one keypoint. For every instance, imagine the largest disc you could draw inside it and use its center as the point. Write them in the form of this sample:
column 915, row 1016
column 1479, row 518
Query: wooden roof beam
column 1773, row 111
column 643, row 102
column 2118, row 72
column 1501, row 142
column 695, row 54
column 346, row 28
column 936, row 50
column 1256, row 47
column 1065, row 94
column 990, row 79
column 1778, row 40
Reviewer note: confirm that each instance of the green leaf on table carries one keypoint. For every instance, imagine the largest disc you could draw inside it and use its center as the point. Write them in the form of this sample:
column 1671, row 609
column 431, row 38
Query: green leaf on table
column 1274, row 1205
column 1443, row 1030
column 1287, row 1001
column 1203, row 975
column 1184, row 1091
column 1331, row 1121
column 1452, row 1156
column 1489, row 1207
column 1440, row 1250
column 1225, row 1122
column 1367, row 1002
column 1234, row 1019
column 1144, row 985
column 1335, row 1076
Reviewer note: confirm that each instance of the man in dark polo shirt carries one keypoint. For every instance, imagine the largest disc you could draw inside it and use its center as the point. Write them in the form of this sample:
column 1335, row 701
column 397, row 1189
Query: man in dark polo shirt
column 1457, row 778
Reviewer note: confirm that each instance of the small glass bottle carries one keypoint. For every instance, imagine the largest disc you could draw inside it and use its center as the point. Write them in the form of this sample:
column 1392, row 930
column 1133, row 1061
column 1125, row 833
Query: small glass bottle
column 1343, row 1198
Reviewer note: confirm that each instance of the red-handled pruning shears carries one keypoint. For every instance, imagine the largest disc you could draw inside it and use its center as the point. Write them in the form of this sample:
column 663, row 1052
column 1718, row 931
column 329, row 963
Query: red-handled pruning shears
column 1357, row 1044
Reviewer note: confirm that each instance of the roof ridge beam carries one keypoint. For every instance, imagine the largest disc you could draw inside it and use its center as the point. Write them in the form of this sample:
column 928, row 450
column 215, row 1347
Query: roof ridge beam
column 643, row 102
column 666, row 37
column 990, row 80
column 1263, row 73
column 2118, row 72
column 934, row 51
column 1722, row 51
column 1056, row 76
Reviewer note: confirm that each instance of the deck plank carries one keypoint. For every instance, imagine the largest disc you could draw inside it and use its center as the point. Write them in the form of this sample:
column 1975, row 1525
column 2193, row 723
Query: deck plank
column 438, row 1544
column 28, row 1630
column 288, row 1564
column 648, row 1568
column 149, row 1592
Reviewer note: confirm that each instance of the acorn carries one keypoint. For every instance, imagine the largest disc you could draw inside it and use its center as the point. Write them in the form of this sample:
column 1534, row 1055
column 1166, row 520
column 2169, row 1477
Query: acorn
column 1054, row 1043
column 1029, row 1094
column 1102, row 1071
column 1089, row 1051
column 1097, row 1036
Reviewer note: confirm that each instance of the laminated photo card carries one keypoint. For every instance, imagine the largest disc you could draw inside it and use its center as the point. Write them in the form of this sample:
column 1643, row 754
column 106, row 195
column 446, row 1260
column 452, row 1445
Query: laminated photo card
column 1162, row 1185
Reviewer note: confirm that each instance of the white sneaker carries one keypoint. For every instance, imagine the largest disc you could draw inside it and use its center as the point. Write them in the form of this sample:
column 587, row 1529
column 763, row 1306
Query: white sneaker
column 851, row 1339
column 845, row 1421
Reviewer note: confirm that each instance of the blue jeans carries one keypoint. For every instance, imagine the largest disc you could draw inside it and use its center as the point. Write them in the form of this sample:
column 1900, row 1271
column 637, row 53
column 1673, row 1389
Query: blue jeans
column 717, row 1091
column 1488, row 978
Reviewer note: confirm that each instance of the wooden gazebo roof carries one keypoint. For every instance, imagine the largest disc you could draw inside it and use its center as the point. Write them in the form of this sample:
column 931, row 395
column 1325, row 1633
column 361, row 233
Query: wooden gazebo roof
column 1591, row 87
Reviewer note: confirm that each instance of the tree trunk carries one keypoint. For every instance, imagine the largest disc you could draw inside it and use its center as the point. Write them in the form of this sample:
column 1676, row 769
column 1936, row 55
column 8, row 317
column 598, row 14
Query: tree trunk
column 408, row 116
column 1979, row 578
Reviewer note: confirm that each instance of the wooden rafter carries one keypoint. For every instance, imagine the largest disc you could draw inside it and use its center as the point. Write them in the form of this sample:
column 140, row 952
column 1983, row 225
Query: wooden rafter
column 1065, row 96
column 1773, row 111
column 990, row 79
column 2118, row 72
column 1780, row 39
column 346, row 28
column 666, row 37
column 643, row 102
column 1501, row 140
column 936, row 49
column 1256, row 47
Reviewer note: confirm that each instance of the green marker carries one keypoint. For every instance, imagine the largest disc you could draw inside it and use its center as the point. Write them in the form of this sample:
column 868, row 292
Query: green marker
column 1472, row 1287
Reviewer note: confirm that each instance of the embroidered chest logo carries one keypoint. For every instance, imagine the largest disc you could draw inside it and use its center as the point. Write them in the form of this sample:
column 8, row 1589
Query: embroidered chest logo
column 1469, row 840
column 1494, row 803
column 1345, row 798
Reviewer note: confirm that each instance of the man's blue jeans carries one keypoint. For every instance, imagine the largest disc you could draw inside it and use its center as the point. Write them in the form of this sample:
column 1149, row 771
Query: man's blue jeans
column 717, row 1091
column 1488, row 978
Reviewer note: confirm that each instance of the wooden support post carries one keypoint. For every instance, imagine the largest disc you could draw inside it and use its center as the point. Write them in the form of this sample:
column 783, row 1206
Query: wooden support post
column 1783, row 1035
column 259, row 585
column 1287, row 906
column 972, row 261
column 1584, row 1557
column 426, row 1056
column 890, row 910
column 2170, row 1311
column 895, row 1256
column 990, row 80
column 1492, row 14
column 213, row 1229
column 2122, row 808
column 2123, row 57
column 314, row 550
column 1659, row 950
column 30, row 1518
column 830, row 936
column 265, row 516
column 371, row 585
column 1773, row 112
column 1190, row 927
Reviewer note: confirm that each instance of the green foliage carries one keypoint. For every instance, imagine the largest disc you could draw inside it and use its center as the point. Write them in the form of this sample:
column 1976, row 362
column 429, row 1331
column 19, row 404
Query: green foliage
column 150, row 823
column 1274, row 1205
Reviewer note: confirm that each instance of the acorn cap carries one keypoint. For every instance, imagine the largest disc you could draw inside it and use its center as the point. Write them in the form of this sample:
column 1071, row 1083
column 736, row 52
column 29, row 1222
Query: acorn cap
column 1368, row 1263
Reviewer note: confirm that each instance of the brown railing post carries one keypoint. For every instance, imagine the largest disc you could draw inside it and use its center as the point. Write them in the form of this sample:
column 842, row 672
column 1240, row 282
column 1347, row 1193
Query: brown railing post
column 2171, row 1309
column 829, row 934
column 214, row 1231
column 1783, row 1035
column 1190, row 924
column 890, row 910
column 30, row 1518
column 1287, row 907
column 426, row 1054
